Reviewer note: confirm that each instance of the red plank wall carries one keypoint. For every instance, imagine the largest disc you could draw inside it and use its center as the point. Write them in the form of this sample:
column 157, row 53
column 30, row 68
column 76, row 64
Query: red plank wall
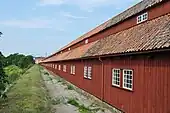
column 151, row 92
column 92, row 86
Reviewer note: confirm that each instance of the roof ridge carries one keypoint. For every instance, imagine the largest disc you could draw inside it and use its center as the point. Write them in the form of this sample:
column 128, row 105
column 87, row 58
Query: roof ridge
column 137, row 8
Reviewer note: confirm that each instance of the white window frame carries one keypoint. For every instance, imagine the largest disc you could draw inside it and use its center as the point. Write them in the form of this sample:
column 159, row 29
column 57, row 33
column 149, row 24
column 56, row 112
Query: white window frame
column 114, row 78
column 64, row 68
column 86, row 41
column 141, row 18
column 88, row 72
column 73, row 69
column 125, row 87
column 56, row 66
column 59, row 67
column 85, row 71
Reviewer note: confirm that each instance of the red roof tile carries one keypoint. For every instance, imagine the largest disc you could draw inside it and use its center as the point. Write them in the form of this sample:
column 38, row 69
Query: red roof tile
column 72, row 54
column 121, row 17
column 154, row 34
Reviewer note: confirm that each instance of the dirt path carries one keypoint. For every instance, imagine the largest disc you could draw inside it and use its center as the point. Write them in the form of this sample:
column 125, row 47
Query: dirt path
column 66, row 100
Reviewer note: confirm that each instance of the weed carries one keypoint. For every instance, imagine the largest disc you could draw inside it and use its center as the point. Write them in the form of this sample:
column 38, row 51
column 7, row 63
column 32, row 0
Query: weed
column 46, row 73
column 60, row 80
column 81, row 108
column 70, row 87
column 73, row 102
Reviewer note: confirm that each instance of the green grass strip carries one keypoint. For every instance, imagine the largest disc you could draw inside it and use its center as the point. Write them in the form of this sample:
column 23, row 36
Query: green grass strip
column 28, row 95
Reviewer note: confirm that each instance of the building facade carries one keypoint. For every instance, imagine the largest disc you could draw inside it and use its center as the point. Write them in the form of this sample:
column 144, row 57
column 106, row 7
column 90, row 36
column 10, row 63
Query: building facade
column 38, row 60
column 125, row 61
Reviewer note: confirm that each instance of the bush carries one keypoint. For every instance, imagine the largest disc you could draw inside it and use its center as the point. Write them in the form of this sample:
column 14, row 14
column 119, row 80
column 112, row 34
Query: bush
column 13, row 73
column 3, row 81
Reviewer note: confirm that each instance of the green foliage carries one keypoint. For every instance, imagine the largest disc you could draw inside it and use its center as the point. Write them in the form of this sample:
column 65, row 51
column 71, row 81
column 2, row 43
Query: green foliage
column 73, row 102
column 3, row 79
column 81, row 108
column 28, row 95
column 70, row 87
column 13, row 73
column 19, row 60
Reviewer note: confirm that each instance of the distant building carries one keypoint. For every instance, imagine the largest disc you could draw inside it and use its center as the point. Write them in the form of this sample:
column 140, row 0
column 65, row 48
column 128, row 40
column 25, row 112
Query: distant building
column 38, row 59
column 125, row 61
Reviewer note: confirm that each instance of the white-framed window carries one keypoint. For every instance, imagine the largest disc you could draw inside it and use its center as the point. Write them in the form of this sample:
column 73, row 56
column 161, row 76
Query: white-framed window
column 141, row 18
column 59, row 67
column 116, row 77
column 88, row 72
column 85, row 72
column 64, row 68
column 86, row 41
column 69, row 49
column 56, row 66
column 73, row 69
column 128, row 79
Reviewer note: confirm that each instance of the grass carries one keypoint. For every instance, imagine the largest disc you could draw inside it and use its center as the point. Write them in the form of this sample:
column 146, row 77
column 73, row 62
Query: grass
column 70, row 87
column 28, row 95
column 81, row 108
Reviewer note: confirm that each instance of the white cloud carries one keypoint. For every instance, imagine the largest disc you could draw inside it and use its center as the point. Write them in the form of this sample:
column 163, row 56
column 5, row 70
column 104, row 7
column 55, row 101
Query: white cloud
column 32, row 23
column 51, row 2
column 69, row 15
column 38, row 23
column 88, row 5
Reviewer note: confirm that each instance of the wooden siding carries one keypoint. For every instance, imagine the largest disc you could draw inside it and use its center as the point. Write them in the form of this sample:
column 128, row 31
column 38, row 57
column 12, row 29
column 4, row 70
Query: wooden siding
column 151, row 86
column 92, row 86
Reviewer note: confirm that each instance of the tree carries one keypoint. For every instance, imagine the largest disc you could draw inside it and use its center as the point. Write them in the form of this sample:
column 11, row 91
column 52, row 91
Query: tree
column 1, row 34
column 3, row 80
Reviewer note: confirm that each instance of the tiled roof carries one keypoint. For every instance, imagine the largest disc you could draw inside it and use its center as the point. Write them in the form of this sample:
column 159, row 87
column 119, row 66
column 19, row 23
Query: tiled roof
column 154, row 34
column 122, row 16
column 72, row 54
column 88, row 34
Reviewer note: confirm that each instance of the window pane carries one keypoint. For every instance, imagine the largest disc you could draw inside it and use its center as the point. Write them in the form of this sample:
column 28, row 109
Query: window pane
column 116, row 77
column 128, row 79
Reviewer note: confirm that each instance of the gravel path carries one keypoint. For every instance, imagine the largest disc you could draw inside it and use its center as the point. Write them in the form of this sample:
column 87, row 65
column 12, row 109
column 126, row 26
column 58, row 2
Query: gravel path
column 66, row 100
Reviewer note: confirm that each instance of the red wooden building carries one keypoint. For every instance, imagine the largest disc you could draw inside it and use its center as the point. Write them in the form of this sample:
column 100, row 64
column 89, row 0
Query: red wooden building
column 125, row 61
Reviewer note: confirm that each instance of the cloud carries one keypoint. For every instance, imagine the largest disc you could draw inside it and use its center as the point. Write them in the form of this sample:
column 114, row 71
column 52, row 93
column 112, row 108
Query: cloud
column 69, row 15
column 32, row 23
column 88, row 5
column 51, row 2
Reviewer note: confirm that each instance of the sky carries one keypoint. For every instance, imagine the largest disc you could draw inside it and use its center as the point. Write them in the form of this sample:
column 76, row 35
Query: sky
column 41, row 27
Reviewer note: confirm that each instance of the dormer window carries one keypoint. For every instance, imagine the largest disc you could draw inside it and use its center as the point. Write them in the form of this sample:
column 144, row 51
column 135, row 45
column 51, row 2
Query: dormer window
column 141, row 18
column 86, row 41
column 69, row 49
column 61, row 52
